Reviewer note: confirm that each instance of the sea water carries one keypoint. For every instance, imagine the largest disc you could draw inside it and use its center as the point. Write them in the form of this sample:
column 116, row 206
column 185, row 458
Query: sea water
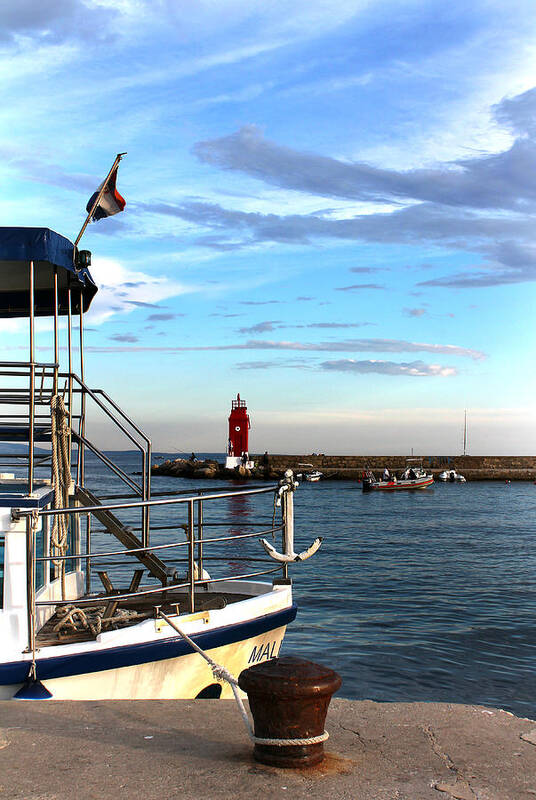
column 427, row 595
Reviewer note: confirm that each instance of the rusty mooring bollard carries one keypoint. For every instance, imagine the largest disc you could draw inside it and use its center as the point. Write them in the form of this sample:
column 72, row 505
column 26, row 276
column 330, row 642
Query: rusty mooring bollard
column 289, row 699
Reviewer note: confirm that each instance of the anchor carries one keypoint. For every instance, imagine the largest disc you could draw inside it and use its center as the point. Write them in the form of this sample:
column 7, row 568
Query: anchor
column 287, row 486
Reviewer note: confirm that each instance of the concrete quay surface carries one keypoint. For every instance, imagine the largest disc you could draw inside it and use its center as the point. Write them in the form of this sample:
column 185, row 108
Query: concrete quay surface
column 199, row 749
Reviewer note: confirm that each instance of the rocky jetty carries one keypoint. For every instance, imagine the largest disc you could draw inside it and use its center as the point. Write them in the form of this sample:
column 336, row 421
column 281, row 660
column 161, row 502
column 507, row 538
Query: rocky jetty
column 187, row 468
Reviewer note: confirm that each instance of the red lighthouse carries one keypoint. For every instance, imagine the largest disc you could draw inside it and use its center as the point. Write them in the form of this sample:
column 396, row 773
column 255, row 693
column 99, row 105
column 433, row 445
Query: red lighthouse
column 239, row 425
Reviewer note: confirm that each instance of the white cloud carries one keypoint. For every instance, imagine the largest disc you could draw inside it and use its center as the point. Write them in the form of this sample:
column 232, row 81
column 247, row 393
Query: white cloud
column 122, row 290
column 414, row 369
column 32, row 60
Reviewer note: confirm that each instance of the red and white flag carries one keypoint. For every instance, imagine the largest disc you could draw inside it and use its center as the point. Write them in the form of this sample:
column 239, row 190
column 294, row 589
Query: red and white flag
column 110, row 202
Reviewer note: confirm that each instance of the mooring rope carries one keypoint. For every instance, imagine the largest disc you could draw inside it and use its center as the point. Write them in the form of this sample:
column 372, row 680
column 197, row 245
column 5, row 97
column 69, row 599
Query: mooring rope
column 222, row 674
column 92, row 618
column 62, row 481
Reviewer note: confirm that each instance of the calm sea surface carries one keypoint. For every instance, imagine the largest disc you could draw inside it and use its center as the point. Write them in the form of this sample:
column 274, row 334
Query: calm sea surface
column 413, row 596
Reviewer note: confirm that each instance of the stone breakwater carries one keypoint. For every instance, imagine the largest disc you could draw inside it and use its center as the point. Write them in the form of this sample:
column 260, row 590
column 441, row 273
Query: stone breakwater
column 213, row 470
column 474, row 468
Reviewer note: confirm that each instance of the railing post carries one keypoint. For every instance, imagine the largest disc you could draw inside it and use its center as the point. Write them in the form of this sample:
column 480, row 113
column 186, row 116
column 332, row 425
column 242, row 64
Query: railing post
column 76, row 520
column 30, row 582
column 145, row 509
column 70, row 366
column 147, row 489
column 31, row 410
column 200, row 536
column 191, row 556
column 88, row 550
column 287, row 508
column 56, row 335
column 80, row 477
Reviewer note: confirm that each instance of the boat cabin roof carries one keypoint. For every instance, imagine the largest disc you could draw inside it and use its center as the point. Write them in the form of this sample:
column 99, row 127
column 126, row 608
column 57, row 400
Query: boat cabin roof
column 49, row 251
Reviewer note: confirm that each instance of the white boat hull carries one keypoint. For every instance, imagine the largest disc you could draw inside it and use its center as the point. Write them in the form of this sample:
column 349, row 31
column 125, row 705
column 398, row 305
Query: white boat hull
column 181, row 678
column 150, row 661
column 451, row 476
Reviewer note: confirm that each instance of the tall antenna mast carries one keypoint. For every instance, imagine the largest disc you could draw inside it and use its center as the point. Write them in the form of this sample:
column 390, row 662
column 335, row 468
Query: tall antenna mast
column 465, row 433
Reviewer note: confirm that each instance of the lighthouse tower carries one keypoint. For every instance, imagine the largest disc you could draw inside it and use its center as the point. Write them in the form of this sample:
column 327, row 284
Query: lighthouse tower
column 237, row 445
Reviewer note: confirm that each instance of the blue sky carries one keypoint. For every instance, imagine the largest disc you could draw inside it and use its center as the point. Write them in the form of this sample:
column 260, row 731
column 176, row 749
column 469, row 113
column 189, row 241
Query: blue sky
column 330, row 209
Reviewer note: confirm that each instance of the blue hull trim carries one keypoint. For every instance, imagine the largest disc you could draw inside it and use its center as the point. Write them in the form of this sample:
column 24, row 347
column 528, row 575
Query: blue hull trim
column 146, row 652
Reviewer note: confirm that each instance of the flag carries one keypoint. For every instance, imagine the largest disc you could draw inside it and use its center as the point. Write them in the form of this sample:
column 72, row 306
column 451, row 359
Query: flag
column 110, row 202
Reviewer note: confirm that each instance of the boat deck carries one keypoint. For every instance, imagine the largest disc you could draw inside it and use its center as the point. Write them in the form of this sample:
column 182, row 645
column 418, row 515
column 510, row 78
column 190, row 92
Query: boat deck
column 138, row 609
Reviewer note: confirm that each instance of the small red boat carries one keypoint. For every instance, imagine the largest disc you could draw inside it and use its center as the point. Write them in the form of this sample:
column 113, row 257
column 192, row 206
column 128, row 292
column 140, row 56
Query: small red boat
column 413, row 477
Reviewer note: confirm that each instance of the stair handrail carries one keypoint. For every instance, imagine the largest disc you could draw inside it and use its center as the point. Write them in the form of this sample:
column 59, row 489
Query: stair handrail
column 125, row 416
column 93, row 394
column 145, row 451
column 146, row 477
column 110, row 464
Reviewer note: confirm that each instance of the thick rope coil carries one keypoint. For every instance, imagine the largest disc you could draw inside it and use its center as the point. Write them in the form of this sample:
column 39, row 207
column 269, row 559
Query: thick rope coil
column 62, row 481
column 221, row 673
column 92, row 618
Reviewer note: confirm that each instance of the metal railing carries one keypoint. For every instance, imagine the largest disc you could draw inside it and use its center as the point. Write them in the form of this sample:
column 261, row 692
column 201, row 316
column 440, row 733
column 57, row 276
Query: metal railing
column 32, row 385
column 134, row 434
column 121, row 421
column 195, row 543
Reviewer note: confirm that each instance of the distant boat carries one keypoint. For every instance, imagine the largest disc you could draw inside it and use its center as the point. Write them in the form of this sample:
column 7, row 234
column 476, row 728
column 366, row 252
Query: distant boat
column 451, row 476
column 413, row 477
column 312, row 475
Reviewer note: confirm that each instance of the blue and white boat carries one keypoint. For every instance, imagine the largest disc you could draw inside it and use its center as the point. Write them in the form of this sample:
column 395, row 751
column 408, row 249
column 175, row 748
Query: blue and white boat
column 93, row 605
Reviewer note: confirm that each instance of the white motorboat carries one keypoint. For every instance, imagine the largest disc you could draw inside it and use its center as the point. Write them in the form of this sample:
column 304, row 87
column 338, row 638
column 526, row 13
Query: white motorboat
column 451, row 476
column 314, row 476
column 309, row 473
column 94, row 603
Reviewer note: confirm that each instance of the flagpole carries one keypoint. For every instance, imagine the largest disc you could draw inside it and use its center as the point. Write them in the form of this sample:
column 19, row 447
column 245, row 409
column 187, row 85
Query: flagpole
column 97, row 200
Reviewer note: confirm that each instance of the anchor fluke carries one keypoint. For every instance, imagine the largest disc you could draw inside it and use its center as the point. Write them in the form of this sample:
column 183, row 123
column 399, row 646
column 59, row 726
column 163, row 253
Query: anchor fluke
column 285, row 558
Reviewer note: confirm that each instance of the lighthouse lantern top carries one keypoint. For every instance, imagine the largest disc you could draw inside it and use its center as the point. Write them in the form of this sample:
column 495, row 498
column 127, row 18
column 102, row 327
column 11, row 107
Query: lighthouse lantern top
column 238, row 403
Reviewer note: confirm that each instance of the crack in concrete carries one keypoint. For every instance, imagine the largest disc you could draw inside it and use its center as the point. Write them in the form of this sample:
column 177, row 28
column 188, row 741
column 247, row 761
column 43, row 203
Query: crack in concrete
column 372, row 743
column 467, row 792
column 356, row 733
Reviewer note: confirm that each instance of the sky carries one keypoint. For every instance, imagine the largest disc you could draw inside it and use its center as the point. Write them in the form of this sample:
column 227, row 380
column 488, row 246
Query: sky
column 330, row 209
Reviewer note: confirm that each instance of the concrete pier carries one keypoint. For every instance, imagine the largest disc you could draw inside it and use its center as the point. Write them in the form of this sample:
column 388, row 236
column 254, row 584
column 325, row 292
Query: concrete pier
column 156, row 750
column 474, row 468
